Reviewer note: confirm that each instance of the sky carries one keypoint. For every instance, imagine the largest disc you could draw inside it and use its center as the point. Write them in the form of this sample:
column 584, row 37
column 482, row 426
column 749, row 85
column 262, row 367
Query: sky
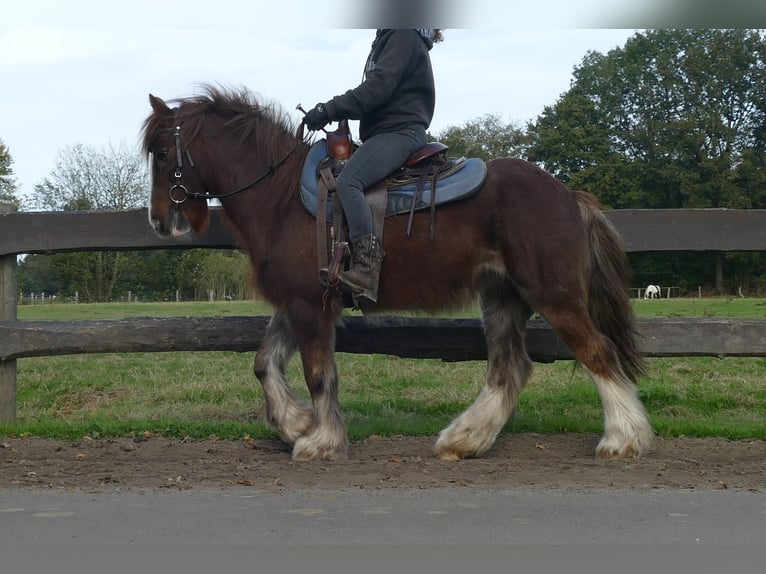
column 80, row 72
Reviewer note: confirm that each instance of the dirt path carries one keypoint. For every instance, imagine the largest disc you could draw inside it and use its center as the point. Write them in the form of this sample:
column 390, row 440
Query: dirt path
column 563, row 461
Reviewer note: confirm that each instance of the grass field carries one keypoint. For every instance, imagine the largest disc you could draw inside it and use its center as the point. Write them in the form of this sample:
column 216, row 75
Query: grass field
column 198, row 394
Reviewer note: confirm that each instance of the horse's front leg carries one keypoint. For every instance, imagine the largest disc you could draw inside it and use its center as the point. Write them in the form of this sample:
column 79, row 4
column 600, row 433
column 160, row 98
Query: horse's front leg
column 286, row 412
column 326, row 439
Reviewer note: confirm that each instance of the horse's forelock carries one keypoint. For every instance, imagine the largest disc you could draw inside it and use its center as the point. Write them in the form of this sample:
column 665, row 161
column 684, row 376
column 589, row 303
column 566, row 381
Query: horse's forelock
column 151, row 128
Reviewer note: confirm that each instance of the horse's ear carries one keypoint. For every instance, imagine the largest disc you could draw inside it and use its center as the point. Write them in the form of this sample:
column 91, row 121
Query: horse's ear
column 159, row 106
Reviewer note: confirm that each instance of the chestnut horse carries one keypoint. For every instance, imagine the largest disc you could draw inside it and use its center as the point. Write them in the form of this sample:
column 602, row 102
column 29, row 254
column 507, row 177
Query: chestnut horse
column 523, row 243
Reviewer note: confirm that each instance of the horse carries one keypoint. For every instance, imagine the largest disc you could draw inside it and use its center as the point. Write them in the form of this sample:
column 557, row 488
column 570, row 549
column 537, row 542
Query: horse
column 652, row 292
column 523, row 243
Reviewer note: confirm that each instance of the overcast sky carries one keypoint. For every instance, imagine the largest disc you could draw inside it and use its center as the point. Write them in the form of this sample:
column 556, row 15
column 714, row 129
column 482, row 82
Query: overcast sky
column 81, row 71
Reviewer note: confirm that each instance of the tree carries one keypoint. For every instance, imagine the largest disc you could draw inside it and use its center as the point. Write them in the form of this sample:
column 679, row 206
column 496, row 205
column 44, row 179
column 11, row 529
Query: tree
column 225, row 273
column 153, row 274
column 675, row 118
column 486, row 138
column 36, row 274
column 88, row 179
column 8, row 185
column 573, row 143
column 671, row 120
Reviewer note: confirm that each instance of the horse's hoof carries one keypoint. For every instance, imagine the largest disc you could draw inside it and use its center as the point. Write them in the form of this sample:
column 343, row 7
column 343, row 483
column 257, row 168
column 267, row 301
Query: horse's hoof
column 305, row 451
column 611, row 454
column 445, row 452
column 608, row 451
column 449, row 455
column 305, row 457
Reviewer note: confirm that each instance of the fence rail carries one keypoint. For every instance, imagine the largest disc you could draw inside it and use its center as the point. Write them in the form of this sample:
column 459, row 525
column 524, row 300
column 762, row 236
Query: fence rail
column 406, row 337
column 718, row 230
column 641, row 230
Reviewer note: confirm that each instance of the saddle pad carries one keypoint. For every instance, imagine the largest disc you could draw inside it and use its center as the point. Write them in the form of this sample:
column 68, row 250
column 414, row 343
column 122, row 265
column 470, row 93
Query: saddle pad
column 459, row 185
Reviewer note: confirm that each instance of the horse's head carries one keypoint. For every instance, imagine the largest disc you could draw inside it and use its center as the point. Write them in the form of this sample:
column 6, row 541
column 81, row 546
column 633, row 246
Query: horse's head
column 177, row 205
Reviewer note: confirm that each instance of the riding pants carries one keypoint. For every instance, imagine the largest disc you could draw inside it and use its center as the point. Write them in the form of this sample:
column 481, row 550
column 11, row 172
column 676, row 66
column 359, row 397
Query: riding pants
column 375, row 159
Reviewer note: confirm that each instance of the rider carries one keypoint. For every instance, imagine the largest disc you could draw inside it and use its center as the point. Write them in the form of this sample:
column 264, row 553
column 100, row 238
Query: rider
column 394, row 105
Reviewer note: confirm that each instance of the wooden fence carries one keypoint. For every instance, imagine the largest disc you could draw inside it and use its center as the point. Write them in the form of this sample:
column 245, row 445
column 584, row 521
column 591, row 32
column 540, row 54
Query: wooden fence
column 718, row 230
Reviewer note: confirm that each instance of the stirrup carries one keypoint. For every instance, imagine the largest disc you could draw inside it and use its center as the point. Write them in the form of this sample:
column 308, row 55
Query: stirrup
column 329, row 276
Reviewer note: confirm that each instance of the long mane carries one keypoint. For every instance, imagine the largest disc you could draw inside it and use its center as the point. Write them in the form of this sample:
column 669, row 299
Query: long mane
column 248, row 115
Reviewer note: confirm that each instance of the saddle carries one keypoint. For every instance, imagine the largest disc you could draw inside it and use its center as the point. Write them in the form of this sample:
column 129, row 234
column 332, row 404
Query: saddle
column 410, row 188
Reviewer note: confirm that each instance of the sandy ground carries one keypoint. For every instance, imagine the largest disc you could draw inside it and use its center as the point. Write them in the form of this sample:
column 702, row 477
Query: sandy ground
column 561, row 461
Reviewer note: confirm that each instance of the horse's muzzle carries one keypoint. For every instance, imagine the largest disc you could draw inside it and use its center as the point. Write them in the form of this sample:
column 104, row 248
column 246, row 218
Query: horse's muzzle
column 178, row 225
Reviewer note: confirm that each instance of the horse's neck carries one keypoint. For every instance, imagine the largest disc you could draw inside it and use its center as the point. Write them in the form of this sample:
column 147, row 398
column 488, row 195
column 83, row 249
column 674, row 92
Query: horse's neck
column 255, row 211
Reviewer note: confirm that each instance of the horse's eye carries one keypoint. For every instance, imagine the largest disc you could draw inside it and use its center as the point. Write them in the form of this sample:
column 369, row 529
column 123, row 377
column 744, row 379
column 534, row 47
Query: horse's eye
column 161, row 155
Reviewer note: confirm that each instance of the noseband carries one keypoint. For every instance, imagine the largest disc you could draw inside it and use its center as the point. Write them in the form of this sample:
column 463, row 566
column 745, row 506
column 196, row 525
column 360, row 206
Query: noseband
column 178, row 191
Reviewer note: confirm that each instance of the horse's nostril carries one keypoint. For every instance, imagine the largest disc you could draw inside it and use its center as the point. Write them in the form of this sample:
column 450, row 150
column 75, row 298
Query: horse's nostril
column 156, row 224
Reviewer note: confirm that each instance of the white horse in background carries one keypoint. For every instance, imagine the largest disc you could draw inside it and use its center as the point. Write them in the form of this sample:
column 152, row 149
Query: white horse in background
column 652, row 292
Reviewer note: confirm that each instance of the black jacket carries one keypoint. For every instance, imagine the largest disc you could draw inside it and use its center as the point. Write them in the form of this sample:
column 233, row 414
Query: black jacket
column 398, row 87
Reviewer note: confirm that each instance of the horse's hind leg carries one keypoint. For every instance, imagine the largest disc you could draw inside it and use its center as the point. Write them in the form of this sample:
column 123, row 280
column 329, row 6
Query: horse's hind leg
column 504, row 315
column 285, row 411
column 627, row 431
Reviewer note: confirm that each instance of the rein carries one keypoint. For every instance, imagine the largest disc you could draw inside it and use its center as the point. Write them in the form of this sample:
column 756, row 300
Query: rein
column 186, row 194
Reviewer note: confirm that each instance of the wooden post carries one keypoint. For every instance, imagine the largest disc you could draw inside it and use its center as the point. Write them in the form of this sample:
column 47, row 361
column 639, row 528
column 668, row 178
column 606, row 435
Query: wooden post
column 7, row 313
column 719, row 274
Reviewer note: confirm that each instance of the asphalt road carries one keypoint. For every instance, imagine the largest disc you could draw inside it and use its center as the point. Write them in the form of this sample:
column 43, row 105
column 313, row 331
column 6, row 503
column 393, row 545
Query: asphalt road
column 382, row 517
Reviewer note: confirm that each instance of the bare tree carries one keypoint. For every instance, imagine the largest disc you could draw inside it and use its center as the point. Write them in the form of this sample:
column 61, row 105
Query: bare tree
column 7, row 181
column 86, row 178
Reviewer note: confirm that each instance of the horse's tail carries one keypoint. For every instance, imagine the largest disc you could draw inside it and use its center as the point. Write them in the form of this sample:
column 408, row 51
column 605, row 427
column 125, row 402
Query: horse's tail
column 608, row 302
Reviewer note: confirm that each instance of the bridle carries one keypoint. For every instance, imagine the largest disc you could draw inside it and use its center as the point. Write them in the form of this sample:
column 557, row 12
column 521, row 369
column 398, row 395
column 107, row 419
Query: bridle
column 177, row 175
column 179, row 193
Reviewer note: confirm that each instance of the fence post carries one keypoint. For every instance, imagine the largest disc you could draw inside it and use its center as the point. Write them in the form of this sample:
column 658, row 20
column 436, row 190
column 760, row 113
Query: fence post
column 7, row 313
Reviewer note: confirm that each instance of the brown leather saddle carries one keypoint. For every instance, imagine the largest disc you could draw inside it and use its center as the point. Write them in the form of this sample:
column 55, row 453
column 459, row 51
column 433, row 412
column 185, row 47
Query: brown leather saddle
column 428, row 164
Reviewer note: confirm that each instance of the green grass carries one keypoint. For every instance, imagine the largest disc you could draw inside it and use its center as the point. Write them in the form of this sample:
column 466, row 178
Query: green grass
column 198, row 394
column 100, row 311
column 692, row 307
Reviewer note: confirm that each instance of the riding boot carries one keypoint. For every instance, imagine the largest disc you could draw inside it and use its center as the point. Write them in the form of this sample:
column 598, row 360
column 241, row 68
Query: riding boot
column 366, row 259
